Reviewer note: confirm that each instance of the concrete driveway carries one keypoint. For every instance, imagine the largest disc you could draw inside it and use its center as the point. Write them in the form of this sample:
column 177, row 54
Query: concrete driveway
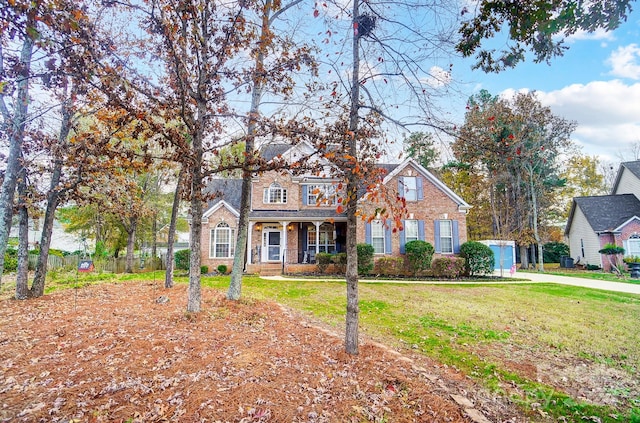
column 533, row 277
column 587, row 283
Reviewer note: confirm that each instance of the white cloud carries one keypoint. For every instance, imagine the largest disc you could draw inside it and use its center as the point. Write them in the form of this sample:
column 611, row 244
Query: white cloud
column 438, row 77
column 598, row 34
column 607, row 113
column 625, row 62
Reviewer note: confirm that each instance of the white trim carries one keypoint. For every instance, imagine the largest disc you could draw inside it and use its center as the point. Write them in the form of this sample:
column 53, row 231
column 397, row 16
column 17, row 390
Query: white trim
column 462, row 205
column 217, row 207
column 619, row 228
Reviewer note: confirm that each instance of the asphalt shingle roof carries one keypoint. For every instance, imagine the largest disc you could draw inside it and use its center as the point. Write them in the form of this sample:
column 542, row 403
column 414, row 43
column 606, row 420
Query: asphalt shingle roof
column 229, row 190
column 634, row 167
column 607, row 212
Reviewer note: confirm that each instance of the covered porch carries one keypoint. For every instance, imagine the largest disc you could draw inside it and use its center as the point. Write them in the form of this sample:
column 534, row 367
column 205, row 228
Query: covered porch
column 293, row 242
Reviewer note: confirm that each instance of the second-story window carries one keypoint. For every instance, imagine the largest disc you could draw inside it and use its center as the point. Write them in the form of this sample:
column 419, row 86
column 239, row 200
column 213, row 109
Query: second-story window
column 321, row 194
column 410, row 188
column 275, row 194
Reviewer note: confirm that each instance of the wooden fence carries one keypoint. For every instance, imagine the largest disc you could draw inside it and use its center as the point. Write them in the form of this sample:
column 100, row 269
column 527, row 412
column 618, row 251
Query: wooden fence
column 110, row 265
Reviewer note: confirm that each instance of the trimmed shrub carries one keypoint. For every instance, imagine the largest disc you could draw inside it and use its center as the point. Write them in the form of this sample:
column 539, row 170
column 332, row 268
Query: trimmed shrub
column 389, row 266
column 419, row 254
column 182, row 258
column 222, row 269
column 10, row 260
column 552, row 251
column 365, row 258
column 204, row 269
column 323, row 260
column 478, row 257
column 340, row 261
column 447, row 267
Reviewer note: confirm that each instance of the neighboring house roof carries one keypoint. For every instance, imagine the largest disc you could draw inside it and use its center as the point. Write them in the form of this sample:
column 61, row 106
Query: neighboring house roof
column 633, row 167
column 606, row 213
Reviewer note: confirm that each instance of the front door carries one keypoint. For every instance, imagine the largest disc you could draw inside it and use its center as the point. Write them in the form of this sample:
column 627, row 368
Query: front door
column 271, row 244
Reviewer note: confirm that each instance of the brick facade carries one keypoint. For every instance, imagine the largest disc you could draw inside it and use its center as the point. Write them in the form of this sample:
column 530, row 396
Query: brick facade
column 298, row 222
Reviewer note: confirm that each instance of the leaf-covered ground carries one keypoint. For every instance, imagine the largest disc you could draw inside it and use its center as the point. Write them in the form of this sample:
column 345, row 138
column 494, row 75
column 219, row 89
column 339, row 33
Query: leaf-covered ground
column 123, row 353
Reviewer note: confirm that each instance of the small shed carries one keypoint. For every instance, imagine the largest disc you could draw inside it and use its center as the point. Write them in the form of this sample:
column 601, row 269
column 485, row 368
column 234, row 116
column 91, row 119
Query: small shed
column 504, row 253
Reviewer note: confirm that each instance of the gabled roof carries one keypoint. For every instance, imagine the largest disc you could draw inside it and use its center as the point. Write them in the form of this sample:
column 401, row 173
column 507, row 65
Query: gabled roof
column 633, row 167
column 430, row 177
column 271, row 151
column 227, row 190
column 606, row 213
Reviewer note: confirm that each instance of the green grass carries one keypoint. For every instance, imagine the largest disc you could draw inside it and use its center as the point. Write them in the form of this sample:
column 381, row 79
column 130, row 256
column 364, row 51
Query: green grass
column 454, row 323
column 447, row 322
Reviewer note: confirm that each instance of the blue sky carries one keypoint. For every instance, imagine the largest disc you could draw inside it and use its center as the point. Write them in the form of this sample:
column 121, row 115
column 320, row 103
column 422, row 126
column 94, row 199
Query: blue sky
column 596, row 83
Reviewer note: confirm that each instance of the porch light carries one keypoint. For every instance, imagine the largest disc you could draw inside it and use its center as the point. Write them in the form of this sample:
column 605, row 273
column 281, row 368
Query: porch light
column 290, row 227
column 258, row 226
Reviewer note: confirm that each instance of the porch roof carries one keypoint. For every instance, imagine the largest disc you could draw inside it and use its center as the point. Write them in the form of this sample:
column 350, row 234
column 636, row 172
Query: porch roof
column 298, row 215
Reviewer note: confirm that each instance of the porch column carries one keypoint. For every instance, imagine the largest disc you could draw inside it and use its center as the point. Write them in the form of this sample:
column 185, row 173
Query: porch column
column 249, row 240
column 284, row 239
column 317, row 236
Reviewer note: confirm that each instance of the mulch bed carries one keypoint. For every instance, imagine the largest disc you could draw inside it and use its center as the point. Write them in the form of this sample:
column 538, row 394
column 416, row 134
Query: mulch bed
column 131, row 353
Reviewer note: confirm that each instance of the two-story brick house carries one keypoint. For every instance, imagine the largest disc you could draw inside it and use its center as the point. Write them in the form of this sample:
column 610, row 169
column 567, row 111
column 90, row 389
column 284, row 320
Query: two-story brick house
column 289, row 224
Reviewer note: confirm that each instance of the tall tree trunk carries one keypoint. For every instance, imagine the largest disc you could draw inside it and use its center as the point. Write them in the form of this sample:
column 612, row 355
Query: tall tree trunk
column 131, row 243
column 22, row 273
column 154, row 240
column 15, row 126
column 53, row 199
column 195, row 290
column 534, row 210
column 351, row 274
column 235, row 286
column 524, row 257
column 168, row 276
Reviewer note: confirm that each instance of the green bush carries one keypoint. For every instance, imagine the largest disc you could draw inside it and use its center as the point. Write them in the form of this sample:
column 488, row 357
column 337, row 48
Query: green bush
column 611, row 250
column 365, row 258
column 448, row 267
column 204, row 269
column 419, row 255
column 182, row 258
column 222, row 269
column 10, row 260
column 323, row 260
column 552, row 251
column 340, row 261
column 389, row 266
column 478, row 257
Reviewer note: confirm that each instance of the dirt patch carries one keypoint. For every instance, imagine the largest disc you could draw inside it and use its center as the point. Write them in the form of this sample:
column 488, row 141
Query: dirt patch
column 581, row 379
column 130, row 352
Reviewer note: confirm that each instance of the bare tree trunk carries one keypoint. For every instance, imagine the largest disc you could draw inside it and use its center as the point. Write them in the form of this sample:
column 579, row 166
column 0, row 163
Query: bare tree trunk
column 534, row 210
column 168, row 278
column 524, row 257
column 154, row 240
column 235, row 286
column 131, row 243
column 351, row 274
column 53, row 199
column 22, row 273
column 195, row 290
column 15, row 126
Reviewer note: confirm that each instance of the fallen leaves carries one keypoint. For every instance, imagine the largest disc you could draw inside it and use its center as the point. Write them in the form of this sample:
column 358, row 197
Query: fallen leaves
column 126, row 357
